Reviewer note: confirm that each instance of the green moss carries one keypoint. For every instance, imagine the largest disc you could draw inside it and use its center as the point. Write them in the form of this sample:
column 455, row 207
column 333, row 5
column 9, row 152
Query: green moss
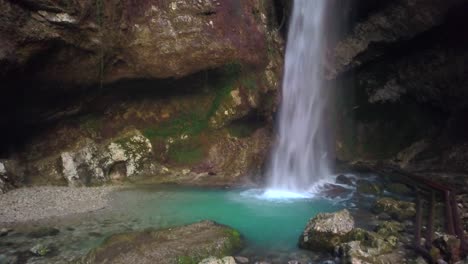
column 187, row 260
column 222, row 83
column 224, row 86
column 188, row 124
column 192, row 119
column 91, row 123
column 249, row 82
column 186, row 153
column 233, row 243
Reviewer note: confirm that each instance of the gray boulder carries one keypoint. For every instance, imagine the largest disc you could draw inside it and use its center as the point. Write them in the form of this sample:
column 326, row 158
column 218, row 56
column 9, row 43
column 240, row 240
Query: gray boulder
column 327, row 230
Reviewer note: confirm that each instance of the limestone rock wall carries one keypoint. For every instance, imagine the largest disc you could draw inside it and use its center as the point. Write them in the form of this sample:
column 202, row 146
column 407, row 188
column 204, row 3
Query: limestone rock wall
column 91, row 41
column 103, row 91
column 403, row 69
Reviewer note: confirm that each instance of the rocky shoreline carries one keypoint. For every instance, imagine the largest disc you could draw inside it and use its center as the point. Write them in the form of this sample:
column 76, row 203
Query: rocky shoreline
column 37, row 203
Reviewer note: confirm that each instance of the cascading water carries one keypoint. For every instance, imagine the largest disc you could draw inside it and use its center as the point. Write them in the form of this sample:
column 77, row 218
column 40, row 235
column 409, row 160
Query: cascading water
column 299, row 158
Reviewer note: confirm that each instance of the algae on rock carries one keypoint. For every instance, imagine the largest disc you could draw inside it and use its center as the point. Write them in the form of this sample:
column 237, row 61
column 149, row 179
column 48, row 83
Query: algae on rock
column 178, row 245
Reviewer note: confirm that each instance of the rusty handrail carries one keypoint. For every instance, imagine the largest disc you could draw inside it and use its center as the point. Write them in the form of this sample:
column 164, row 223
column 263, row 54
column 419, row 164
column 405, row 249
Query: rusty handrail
column 453, row 220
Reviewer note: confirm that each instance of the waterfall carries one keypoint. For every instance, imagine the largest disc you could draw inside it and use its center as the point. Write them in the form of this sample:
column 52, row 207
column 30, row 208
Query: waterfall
column 300, row 158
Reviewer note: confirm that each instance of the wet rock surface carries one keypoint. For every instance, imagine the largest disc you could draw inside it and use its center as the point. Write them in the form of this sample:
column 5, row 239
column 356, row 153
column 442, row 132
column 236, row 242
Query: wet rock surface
column 327, row 230
column 186, row 244
column 399, row 210
column 178, row 74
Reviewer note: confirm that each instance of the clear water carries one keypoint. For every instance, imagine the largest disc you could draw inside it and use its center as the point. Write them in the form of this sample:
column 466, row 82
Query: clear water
column 271, row 227
column 256, row 217
column 300, row 157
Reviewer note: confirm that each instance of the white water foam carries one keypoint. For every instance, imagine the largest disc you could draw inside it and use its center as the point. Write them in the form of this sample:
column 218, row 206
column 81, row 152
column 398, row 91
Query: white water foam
column 300, row 159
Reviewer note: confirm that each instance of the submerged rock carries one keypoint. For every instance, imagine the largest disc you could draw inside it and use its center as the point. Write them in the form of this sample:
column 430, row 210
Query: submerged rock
column 185, row 244
column 241, row 260
column 327, row 230
column 399, row 188
column 40, row 250
column 367, row 187
column 44, row 232
column 4, row 231
column 398, row 210
column 343, row 179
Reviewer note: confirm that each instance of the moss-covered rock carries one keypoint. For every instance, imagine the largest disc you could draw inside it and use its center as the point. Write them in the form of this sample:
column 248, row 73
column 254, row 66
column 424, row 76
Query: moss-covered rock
column 40, row 250
column 389, row 228
column 327, row 230
column 185, row 244
column 90, row 162
column 449, row 246
column 398, row 210
column 368, row 187
column 343, row 179
column 363, row 246
column 398, row 188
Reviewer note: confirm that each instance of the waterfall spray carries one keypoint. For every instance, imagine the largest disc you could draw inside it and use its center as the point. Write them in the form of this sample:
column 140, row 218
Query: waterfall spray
column 300, row 156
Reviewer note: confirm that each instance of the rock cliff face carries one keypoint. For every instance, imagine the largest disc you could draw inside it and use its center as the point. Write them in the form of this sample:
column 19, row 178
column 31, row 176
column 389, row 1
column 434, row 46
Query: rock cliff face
column 107, row 91
column 97, row 40
column 195, row 84
column 403, row 71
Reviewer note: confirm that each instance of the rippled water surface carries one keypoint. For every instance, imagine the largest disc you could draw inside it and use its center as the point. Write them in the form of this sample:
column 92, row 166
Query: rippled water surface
column 270, row 225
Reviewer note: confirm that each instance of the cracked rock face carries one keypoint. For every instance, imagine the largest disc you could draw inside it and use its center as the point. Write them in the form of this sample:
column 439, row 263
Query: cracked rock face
column 92, row 41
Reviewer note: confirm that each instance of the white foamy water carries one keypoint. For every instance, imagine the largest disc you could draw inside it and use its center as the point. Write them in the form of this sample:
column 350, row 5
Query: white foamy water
column 300, row 158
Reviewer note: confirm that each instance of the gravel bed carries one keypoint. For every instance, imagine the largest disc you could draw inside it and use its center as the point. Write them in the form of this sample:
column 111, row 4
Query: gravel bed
column 36, row 203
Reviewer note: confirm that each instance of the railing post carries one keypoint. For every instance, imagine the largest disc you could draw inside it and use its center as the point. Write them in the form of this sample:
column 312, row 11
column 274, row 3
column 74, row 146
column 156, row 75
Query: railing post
column 430, row 222
column 449, row 214
column 417, row 227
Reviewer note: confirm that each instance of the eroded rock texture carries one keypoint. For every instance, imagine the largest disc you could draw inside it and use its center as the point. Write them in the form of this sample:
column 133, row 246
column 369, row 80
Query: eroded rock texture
column 96, row 40
column 403, row 66
column 185, row 244
column 108, row 91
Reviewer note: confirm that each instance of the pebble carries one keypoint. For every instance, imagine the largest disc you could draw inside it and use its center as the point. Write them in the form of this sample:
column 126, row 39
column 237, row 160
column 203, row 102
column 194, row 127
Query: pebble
column 4, row 231
column 241, row 260
column 40, row 250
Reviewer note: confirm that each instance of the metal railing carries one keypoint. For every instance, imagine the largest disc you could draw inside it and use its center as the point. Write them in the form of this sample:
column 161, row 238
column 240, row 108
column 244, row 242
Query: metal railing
column 429, row 189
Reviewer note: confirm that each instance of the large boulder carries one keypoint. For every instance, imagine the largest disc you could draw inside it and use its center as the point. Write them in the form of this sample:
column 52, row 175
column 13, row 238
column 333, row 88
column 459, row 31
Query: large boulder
column 185, row 244
column 90, row 163
column 327, row 230
column 367, row 247
column 368, row 187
